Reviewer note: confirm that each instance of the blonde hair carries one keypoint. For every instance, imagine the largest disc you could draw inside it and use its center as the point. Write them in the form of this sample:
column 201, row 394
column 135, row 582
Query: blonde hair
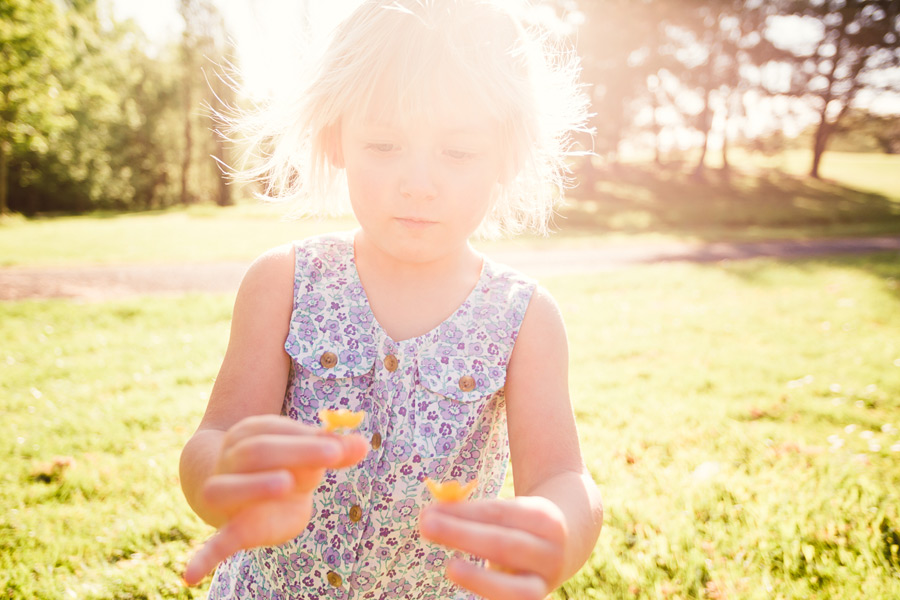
column 422, row 51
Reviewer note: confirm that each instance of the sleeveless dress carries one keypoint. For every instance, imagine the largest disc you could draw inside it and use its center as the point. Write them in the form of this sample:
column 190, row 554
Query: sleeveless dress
column 434, row 407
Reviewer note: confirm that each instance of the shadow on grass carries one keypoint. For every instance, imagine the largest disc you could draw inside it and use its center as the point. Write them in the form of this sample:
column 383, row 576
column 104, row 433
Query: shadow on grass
column 884, row 266
column 642, row 199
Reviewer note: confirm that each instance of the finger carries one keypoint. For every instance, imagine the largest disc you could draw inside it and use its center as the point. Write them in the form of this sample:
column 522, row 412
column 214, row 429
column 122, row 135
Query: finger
column 231, row 492
column 507, row 547
column 267, row 424
column 216, row 549
column 494, row 585
column 518, row 513
column 273, row 452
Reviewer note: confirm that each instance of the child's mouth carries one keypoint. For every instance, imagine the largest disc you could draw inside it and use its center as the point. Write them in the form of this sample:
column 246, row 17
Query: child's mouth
column 415, row 223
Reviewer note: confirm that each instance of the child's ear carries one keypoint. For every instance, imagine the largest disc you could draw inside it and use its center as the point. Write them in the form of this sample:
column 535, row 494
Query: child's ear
column 333, row 148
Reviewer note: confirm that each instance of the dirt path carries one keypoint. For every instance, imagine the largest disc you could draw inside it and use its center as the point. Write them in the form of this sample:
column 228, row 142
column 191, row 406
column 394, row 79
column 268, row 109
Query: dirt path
column 106, row 282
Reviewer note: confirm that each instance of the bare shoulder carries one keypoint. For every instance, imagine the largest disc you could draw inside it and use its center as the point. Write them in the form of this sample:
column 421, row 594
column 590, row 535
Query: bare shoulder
column 543, row 328
column 269, row 281
column 273, row 268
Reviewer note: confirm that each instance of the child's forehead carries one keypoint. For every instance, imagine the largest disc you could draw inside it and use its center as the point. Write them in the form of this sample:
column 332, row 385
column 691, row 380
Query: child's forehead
column 449, row 114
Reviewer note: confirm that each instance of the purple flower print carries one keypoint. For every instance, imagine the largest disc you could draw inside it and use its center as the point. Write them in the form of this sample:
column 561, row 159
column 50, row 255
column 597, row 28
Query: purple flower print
column 430, row 366
column 344, row 495
column 399, row 450
column 359, row 315
column 494, row 331
column 332, row 557
column 405, row 510
column 450, row 333
column 445, row 445
column 398, row 589
column 383, row 553
column 452, row 411
column 350, row 359
column 445, row 351
column 311, row 303
column 301, row 563
column 484, row 312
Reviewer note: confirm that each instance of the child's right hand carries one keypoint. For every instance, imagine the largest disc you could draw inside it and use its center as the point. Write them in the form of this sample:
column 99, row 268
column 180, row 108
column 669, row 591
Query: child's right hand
column 265, row 475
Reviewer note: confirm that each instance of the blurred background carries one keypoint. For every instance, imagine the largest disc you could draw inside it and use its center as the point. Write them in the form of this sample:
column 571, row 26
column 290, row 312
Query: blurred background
column 106, row 104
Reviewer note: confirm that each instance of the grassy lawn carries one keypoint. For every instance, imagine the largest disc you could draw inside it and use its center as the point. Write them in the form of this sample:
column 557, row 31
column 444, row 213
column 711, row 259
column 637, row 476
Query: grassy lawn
column 741, row 420
column 634, row 203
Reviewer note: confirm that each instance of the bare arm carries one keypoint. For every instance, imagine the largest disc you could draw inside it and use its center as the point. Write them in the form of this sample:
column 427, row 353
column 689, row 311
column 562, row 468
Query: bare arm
column 546, row 457
column 247, row 469
column 253, row 374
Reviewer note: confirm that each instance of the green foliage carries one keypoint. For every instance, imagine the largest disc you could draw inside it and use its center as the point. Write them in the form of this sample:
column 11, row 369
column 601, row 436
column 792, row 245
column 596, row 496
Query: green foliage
column 103, row 117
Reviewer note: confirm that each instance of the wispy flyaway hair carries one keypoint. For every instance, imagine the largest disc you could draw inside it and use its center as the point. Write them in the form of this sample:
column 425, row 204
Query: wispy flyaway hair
column 407, row 59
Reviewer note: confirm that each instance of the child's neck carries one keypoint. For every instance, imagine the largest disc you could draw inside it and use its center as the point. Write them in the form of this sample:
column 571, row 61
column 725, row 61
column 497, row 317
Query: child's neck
column 411, row 298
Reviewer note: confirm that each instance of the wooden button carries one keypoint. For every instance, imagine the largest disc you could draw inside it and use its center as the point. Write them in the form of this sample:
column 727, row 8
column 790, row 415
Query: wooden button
column 328, row 360
column 376, row 441
column 334, row 579
column 467, row 383
column 355, row 513
column 391, row 363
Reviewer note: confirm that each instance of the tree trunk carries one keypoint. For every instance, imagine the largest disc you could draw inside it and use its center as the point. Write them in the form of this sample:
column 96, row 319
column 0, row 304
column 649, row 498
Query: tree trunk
column 188, row 143
column 726, row 166
column 657, row 132
column 819, row 141
column 706, row 123
column 4, row 177
column 705, row 116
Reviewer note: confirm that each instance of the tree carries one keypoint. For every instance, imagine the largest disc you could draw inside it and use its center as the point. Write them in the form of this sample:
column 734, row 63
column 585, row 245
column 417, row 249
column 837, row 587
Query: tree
column 855, row 41
column 715, row 42
column 204, row 50
column 32, row 100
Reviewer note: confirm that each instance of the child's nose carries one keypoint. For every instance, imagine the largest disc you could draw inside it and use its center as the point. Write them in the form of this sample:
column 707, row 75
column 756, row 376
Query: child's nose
column 418, row 177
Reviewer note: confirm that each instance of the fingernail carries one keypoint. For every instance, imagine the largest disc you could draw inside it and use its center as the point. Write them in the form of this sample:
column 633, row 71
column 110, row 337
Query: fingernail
column 431, row 522
column 332, row 451
column 279, row 482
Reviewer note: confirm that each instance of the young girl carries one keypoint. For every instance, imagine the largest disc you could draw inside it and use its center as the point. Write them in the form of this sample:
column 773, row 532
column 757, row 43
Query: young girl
column 442, row 117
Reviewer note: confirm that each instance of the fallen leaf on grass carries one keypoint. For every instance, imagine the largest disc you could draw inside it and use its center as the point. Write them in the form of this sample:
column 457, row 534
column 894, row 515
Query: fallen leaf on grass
column 53, row 470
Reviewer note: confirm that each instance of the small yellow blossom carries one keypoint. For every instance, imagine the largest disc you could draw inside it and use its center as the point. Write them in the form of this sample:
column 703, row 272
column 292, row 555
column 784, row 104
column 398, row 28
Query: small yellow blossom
column 341, row 419
column 450, row 491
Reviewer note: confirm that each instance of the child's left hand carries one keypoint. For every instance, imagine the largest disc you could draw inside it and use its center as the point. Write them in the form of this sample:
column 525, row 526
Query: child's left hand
column 523, row 539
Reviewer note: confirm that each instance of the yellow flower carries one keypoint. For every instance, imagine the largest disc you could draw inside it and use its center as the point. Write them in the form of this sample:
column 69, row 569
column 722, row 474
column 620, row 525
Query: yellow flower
column 341, row 419
column 450, row 491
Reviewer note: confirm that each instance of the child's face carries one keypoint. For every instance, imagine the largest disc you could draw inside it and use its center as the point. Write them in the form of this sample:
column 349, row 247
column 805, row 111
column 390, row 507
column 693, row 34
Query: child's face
column 420, row 189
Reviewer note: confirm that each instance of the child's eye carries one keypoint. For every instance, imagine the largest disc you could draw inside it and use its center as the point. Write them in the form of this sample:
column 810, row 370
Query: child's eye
column 382, row 147
column 458, row 154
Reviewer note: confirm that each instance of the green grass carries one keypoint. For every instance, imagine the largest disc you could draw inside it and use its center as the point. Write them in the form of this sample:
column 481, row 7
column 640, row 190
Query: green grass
column 634, row 203
column 723, row 410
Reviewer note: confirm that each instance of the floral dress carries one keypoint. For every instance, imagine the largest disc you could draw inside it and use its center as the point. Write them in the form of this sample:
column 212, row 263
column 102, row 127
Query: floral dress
column 434, row 408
